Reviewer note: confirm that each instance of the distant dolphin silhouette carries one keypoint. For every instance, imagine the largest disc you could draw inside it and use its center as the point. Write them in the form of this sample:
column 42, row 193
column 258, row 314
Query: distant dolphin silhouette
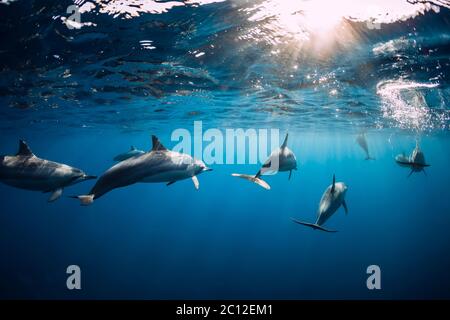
column 133, row 152
column 332, row 199
column 26, row 171
column 362, row 142
column 416, row 161
column 283, row 156
column 158, row 165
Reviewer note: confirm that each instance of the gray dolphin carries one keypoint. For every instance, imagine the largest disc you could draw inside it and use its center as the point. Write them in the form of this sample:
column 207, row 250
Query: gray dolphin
column 133, row 152
column 332, row 199
column 416, row 161
column 26, row 171
column 157, row 165
column 281, row 159
column 362, row 142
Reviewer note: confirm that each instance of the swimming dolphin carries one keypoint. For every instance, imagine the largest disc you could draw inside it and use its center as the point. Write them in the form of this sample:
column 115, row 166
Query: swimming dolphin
column 402, row 160
column 362, row 142
column 26, row 171
column 416, row 161
column 133, row 152
column 157, row 165
column 282, row 158
column 332, row 199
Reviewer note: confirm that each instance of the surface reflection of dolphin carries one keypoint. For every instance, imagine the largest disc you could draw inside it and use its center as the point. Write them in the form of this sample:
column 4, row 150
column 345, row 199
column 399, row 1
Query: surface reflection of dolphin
column 416, row 161
column 281, row 159
column 26, row 171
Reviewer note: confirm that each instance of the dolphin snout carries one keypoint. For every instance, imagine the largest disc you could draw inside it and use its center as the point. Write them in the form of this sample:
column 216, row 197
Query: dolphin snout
column 207, row 169
column 87, row 177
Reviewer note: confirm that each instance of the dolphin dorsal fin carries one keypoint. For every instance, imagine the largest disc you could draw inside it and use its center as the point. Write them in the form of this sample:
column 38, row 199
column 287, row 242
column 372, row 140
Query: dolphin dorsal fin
column 285, row 141
column 132, row 148
column 334, row 184
column 157, row 145
column 24, row 150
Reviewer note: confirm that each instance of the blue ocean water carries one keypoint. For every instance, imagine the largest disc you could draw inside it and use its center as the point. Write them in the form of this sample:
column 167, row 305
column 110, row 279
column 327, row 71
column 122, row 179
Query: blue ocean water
column 81, row 96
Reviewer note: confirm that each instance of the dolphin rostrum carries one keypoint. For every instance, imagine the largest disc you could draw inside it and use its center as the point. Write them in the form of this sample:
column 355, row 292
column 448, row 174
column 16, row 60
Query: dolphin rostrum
column 332, row 199
column 362, row 142
column 281, row 159
column 416, row 161
column 133, row 152
column 26, row 171
column 157, row 165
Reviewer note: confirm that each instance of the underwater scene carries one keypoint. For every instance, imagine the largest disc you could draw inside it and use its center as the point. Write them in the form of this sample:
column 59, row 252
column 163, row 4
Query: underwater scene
column 224, row 149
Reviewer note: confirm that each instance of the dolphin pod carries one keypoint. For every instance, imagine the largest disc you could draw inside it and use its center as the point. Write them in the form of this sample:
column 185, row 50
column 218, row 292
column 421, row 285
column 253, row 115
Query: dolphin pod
column 26, row 171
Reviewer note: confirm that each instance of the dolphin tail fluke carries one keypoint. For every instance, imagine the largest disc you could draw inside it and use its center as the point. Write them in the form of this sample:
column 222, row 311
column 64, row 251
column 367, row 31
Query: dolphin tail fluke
column 85, row 200
column 313, row 226
column 369, row 158
column 253, row 179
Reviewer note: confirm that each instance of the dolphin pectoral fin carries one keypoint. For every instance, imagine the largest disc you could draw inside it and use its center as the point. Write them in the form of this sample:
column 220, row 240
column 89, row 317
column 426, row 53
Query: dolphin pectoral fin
column 290, row 174
column 196, row 183
column 169, row 183
column 85, row 199
column 344, row 204
column 55, row 195
column 253, row 179
column 410, row 173
column 312, row 225
column 424, row 172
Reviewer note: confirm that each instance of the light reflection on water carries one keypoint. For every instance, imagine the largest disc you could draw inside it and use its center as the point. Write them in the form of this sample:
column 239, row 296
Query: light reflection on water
column 305, row 63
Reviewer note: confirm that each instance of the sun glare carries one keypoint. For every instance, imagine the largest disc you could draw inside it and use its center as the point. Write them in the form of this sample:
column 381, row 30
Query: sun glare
column 304, row 19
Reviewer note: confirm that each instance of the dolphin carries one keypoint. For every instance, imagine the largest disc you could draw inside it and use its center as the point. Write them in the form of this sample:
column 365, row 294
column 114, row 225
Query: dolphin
column 282, row 158
column 402, row 160
column 26, row 171
column 362, row 142
column 133, row 152
column 332, row 199
column 416, row 161
column 157, row 165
